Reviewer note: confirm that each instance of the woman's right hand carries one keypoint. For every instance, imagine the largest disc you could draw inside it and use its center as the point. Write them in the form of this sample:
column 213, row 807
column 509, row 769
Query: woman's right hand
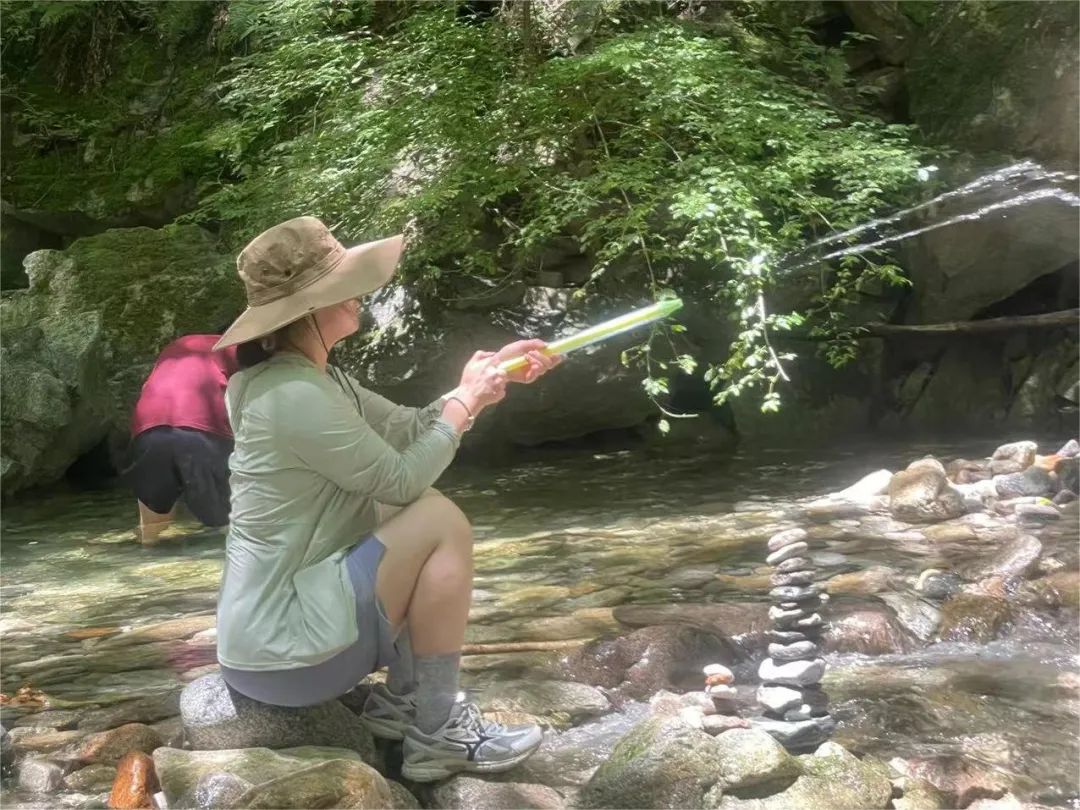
column 483, row 383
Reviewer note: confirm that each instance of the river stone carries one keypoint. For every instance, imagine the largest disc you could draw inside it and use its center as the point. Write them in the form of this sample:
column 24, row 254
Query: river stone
column 794, row 564
column 916, row 615
column 786, row 538
column 91, row 779
column 142, row 710
column 797, row 735
column 470, row 793
column 1034, row 481
column 545, row 699
column 719, row 723
column 788, row 636
column 217, row 717
column 781, row 615
column 662, row 762
column 303, row 777
column 1065, row 496
column 1018, row 558
column 787, row 552
column 974, row 617
column 751, row 757
column 811, row 622
column 779, row 699
column 1037, row 512
column 39, row 775
column 794, row 593
column 112, row 745
column 865, row 582
column 917, row 794
column 939, row 585
column 1013, row 457
column 1071, row 449
column 136, row 782
column 968, row 471
column 61, row 719
column 793, row 673
column 792, row 578
column 804, row 711
column 867, row 629
column 922, row 494
column 793, row 652
column 867, row 487
column 403, row 798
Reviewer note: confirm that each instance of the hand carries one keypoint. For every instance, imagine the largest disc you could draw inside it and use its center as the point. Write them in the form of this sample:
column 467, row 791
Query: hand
column 483, row 383
column 539, row 361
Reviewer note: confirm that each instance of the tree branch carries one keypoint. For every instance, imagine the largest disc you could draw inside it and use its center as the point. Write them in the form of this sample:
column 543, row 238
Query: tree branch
column 1047, row 320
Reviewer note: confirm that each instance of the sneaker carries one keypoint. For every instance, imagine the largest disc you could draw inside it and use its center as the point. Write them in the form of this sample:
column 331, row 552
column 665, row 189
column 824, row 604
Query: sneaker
column 466, row 742
column 387, row 715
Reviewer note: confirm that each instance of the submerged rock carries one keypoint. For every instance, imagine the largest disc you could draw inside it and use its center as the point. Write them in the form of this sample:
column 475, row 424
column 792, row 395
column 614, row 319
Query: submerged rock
column 258, row 777
column 974, row 617
column 39, row 775
column 559, row 703
column 866, row 629
column 1018, row 558
column 471, row 793
column 217, row 717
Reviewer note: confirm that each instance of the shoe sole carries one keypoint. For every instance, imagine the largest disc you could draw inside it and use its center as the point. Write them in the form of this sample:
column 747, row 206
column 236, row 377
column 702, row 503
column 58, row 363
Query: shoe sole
column 383, row 729
column 433, row 771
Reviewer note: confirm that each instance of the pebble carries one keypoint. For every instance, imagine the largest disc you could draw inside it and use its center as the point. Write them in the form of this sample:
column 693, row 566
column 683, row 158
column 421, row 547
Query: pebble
column 786, row 538
column 794, row 564
column 717, row 674
column 794, row 578
column 794, row 593
column 793, row 652
column 792, row 673
column 779, row 615
column 787, row 553
column 786, row 636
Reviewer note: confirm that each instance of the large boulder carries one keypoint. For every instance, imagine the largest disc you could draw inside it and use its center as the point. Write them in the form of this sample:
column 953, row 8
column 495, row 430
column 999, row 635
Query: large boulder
column 258, row 777
column 79, row 342
column 922, row 494
column 217, row 717
column 1000, row 77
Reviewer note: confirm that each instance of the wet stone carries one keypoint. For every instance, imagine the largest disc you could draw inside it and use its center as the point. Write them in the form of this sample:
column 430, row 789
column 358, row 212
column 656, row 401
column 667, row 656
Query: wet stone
column 794, row 593
column 1064, row 497
column 1037, row 513
column 793, row 652
column 787, row 553
column 786, row 538
column 798, row 735
column 804, row 712
column 787, row 636
column 1070, row 449
column 1033, row 481
column 794, row 564
column 40, row 776
column 793, row 578
column 779, row 614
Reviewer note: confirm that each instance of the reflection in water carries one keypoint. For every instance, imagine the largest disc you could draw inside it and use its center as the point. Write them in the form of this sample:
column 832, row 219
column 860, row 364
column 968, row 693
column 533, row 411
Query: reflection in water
column 559, row 543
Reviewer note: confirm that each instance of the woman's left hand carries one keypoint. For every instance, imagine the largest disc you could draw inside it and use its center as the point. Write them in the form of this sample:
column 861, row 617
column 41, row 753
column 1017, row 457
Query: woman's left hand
column 538, row 361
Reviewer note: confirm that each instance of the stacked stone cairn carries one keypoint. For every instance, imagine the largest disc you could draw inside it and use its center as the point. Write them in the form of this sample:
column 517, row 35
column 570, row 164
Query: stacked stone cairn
column 796, row 709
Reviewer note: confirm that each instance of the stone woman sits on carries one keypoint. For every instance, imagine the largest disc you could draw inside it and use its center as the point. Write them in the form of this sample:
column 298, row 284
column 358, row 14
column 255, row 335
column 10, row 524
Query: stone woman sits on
column 340, row 558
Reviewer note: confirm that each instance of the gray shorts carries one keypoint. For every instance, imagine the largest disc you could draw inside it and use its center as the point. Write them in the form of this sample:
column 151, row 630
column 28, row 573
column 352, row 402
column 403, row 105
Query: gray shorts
column 375, row 648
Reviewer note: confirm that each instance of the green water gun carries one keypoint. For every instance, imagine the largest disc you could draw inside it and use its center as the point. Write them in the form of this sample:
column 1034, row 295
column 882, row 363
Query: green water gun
column 603, row 331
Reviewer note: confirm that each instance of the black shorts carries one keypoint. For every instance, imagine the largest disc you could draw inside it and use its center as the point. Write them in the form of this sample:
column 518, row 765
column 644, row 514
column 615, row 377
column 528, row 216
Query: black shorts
column 170, row 463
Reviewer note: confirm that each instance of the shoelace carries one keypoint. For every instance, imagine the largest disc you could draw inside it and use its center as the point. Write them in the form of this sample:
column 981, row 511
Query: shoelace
column 472, row 719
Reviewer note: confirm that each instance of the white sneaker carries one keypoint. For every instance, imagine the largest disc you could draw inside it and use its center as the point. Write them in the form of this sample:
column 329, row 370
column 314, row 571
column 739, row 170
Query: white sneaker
column 387, row 715
column 466, row 742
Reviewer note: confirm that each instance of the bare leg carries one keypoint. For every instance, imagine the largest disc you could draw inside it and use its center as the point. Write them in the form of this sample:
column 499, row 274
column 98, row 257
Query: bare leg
column 151, row 524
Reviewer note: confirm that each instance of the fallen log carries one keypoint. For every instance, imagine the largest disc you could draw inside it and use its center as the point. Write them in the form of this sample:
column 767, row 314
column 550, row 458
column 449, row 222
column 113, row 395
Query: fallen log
column 1046, row 320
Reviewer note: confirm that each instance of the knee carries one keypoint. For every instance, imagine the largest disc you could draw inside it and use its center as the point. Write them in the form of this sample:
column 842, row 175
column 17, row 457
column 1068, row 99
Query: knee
column 453, row 522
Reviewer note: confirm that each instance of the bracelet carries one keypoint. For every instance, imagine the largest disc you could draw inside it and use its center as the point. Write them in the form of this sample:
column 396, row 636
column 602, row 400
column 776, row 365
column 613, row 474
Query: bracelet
column 469, row 422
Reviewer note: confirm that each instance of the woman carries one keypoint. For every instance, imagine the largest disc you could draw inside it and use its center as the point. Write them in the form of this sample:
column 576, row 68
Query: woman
column 181, row 438
column 316, row 587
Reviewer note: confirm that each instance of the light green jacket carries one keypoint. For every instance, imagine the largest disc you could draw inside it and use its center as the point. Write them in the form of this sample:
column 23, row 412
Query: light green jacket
column 308, row 473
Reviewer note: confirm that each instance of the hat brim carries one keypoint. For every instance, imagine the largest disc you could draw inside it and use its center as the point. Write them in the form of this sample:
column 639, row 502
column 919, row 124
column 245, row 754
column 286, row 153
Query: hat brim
column 363, row 269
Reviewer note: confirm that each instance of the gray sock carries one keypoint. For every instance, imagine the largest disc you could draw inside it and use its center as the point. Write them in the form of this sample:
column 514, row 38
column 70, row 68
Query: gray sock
column 436, row 689
column 401, row 675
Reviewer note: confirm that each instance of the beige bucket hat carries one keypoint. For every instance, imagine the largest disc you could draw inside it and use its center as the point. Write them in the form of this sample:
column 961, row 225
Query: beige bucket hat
column 297, row 267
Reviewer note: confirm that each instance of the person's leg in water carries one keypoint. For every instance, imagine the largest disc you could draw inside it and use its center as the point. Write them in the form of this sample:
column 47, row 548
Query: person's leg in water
column 152, row 524
column 425, row 579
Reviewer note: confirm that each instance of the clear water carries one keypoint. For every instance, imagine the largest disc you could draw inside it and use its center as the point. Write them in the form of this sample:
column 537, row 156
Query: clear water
column 560, row 542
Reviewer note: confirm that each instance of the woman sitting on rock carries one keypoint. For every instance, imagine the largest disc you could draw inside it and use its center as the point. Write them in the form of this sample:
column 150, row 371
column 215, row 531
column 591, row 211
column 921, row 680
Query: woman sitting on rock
column 317, row 582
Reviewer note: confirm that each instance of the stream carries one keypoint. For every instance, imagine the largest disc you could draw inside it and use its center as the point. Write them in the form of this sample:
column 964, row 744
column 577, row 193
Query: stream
column 563, row 543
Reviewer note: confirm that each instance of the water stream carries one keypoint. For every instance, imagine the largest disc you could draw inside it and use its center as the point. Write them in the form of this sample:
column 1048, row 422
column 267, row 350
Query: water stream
column 562, row 541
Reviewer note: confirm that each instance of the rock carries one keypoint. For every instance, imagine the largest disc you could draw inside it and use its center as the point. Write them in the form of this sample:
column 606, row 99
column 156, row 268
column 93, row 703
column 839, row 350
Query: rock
column 797, row 735
column 1034, row 481
column 38, row 741
column 78, row 343
column 647, row 660
column 922, row 494
column 978, row 495
column 960, row 779
column 778, row 699
column 918, row 794
column 142, row 710
column 793, row 652
column 61, row 720
column 780, row 614
column 794, row 564
column 751, row 757
column 1071, row 449
column 701, row 701
column 788, row 552
column 974, row 617
column 967, row 471
column 216, row 717
column 716, row 674
column 1037, row 513
column 136, row 782
column 39, row 775
column 793, row 673
column 91, row 779
column 939, row 585
column 793, row 578
column 719, row 723
column 865, row 582
column 561, row 702
column 1066, row 584
column 869, row 630
column 867, row 487
column 110, row 746
column 7, row 749
column 660, row 763
column 1064, row 496
column 786, row 538
column 916, row 615
column 892, row 33
column 1067, row 471
column 1017, row 558
column 790, row 636
column 794, row 593
column 403, row 799
column 289, row 778
column 1006, row 802
column 1013, row 458
column 470, row 793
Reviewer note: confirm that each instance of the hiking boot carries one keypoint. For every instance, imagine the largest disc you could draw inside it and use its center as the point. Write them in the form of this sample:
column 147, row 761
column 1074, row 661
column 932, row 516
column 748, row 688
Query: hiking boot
column 387, row 715
column 466, row 742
